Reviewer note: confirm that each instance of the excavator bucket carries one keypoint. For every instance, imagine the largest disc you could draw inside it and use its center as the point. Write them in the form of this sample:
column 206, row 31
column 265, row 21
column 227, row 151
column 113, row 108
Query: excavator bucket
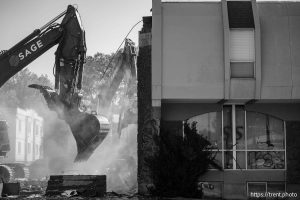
column 85, row 127
column 86, row 131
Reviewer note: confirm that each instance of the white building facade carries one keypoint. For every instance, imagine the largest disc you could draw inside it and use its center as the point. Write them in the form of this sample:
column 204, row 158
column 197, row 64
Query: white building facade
column 25, row 135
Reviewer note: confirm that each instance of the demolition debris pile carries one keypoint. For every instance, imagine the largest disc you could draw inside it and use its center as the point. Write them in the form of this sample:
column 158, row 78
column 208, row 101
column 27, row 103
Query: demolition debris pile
column 116, row 160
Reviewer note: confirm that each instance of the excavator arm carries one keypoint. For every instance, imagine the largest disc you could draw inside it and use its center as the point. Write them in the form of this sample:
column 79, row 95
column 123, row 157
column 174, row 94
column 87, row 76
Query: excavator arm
column 70, row 53
column 26, row 51
column 69, row 59
column 125, row 69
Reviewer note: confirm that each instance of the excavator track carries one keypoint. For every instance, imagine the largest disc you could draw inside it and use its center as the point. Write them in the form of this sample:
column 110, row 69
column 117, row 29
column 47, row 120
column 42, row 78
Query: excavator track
column 7, row 173
column 10, row 172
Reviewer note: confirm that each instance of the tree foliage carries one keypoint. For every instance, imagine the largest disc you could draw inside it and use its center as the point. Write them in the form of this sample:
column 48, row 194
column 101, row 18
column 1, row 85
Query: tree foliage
column 97, row 71
column 181, row 162
column 16, row 93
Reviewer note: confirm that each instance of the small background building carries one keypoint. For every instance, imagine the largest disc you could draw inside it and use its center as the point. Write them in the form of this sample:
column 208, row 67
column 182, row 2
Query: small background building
column 25, row 135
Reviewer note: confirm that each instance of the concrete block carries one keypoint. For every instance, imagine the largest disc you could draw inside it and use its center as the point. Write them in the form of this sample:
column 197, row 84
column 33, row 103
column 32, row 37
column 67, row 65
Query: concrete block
column 85, row 185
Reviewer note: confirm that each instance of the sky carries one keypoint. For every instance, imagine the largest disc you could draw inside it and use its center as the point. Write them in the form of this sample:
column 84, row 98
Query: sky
column 106, row 23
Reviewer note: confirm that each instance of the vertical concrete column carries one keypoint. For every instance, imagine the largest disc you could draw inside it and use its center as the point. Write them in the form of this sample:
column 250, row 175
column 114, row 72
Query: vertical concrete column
column 257, row 51
column 156, row 57
column 26, row 138
column 156, row 60
column 292, row 157
column 147, row 125
column 226, row 37
column 33, row 138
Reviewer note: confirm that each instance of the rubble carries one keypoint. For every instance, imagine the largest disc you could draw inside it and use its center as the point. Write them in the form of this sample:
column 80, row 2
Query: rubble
column 77, row 185
column 59, row 187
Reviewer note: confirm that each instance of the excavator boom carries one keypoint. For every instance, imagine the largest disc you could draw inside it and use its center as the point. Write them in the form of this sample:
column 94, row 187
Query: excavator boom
column 125, row 68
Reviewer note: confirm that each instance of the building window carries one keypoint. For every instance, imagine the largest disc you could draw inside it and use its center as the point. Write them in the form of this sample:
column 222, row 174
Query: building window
column 19, row 147
column 244, row 139
column 240, row 14
column 36, row 130
column 41, row 131
column 20, row 125
column 242, row 39
column 242, row 53
column 209, row 126
column 29, row 148
column 36, row 149
column 29, row 128
column 265, row 142
column 242, row 45
column 263, row 187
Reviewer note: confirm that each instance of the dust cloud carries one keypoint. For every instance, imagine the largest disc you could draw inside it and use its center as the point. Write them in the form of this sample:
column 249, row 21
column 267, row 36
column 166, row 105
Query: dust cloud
column 115, row 157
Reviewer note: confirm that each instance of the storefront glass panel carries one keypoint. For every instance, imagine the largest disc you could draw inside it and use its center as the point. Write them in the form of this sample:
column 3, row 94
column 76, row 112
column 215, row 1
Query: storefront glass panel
column 209, row 126
column 266, row 160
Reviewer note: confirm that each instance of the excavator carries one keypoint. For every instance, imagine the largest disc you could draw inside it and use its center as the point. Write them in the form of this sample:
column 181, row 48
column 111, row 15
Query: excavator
column 69, row 59
column 65, row 98
column 124, row 70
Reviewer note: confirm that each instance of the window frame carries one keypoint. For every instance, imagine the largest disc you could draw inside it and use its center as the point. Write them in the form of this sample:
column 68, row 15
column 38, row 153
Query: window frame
column 246, row 150
column 214, row 150
column 260, row 150
column 232, row 30
column 234, row 149
column 266, row 185
column 231, row 60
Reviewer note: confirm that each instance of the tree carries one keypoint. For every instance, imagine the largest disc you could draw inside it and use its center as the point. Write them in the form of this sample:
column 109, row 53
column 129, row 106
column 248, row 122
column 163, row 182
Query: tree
column 97, row 71
column 181, row 162
column 16, row 93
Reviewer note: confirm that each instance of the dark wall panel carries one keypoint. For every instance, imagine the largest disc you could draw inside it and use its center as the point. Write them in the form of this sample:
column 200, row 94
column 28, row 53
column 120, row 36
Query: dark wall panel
column 293, row 151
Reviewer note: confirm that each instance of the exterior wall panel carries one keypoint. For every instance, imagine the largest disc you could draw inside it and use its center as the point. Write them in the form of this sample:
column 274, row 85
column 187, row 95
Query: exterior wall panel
column 276, row 62
column 193, row 55
column 280, row 29
column 192, row 51
column 242, row 88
